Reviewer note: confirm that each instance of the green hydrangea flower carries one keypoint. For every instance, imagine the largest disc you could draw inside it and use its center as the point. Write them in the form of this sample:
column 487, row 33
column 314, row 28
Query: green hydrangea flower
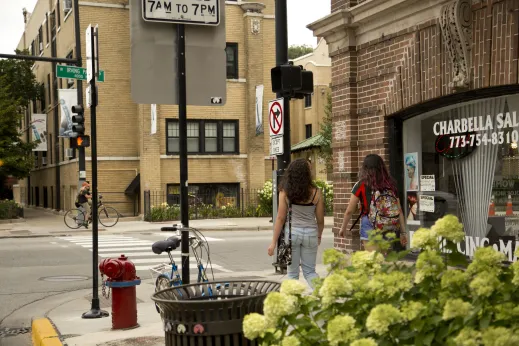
column 456, row 308
column 366, row 261
column 500, row 336
column 453, row 279
column 506, row 311
column 468, row 337
column 382, row 317
column 278, row 305
column 290, row 341
column 450, row 228
column 254, row 326
column 334, row 286
column 515, row 269
column 428, row 264
column 334, row 258
column 292, row 287
column 388, row 285
column 364, row 342
column 484, row 284
column 411, row 310
column 341, row 329
column 424, row 239
column 486, row 258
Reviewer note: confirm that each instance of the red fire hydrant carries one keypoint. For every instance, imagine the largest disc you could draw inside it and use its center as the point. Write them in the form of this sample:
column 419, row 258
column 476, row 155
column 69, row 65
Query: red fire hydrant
column 121, row 279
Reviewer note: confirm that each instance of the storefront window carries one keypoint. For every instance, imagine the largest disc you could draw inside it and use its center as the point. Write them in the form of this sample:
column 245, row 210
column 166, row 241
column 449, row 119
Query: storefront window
column 464, row 160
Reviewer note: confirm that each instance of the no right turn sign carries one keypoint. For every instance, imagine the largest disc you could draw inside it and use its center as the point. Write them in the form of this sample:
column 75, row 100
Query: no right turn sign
column 276, row 116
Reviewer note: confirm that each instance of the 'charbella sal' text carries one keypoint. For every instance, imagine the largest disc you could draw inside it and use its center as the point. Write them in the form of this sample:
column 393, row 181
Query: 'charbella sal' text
column 476, row 124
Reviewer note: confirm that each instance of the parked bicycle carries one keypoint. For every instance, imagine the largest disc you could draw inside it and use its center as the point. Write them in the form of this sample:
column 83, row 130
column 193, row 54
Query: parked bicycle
column 108, row 216
column 168, row 273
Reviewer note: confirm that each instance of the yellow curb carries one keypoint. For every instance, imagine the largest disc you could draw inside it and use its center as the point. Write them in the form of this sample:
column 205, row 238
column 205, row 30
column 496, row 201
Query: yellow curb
column 44, row 334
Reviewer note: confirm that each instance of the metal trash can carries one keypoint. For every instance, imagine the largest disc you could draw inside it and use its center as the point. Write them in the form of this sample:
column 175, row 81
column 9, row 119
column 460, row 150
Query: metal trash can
column 211, row 313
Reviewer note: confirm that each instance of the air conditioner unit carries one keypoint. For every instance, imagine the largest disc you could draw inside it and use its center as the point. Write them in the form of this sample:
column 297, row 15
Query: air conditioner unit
column 67, row 5
column 69, row 153
column 41, row 47
column 44, row 161
column 70, row 81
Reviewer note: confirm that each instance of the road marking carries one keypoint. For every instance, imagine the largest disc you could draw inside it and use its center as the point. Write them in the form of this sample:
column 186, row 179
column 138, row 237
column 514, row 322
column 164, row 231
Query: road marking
column 137, row 250
column 53, row 243
column 166, row 235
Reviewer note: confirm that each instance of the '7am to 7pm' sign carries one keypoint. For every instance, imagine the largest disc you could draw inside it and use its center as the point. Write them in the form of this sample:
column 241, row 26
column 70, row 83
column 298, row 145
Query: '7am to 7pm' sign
column 73, row 72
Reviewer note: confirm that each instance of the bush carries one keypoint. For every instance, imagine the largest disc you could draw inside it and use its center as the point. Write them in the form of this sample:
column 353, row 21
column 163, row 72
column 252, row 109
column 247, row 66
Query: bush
column 265, row 199
column 327, row 190
column 163, row 212
column 10, row 210
column 372, row 300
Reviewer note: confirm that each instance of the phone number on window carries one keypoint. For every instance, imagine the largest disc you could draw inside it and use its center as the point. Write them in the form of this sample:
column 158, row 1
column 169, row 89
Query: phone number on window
column 484, row 139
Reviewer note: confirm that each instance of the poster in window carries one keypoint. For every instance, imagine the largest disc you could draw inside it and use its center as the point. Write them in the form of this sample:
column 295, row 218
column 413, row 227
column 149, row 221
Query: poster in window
column 411, row 171
column 428, row 183
column 412, row 209
column 427, row 204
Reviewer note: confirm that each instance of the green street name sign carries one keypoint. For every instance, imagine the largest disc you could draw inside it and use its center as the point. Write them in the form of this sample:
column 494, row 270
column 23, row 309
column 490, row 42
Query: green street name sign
column 73, row 72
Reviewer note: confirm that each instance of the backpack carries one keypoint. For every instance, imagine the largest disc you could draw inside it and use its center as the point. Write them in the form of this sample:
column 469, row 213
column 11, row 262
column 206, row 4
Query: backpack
column 384, row 211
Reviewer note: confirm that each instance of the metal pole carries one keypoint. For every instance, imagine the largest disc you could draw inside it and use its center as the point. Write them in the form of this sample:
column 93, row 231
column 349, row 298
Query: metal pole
column 182, row 128
column 81, row 150
column 95, row 311
column 282, row 58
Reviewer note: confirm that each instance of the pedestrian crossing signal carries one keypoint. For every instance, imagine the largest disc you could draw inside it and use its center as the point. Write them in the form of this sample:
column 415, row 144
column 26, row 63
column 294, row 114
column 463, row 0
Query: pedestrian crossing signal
column 83, row 141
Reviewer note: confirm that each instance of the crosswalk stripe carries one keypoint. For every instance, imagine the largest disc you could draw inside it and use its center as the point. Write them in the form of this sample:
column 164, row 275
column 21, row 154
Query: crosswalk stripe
column 126, row 248
column 131, row 254
column 79, row 239
column 139, row 243
column 167, row 235
column 157, row 260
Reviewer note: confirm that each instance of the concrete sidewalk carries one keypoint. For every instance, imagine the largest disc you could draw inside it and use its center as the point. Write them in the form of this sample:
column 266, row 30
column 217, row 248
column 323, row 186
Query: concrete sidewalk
column 43, row 223
column 65, row 310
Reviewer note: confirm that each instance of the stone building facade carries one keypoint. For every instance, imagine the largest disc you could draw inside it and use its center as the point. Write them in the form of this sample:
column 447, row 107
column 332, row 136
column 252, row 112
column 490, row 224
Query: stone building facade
column 226, row 154
column 395, row 62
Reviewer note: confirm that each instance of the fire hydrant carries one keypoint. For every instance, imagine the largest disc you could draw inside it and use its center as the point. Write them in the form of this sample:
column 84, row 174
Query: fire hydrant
column 121, row 279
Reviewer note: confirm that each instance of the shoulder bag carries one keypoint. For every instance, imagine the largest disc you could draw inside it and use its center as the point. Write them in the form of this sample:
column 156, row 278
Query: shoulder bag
column 285, row 249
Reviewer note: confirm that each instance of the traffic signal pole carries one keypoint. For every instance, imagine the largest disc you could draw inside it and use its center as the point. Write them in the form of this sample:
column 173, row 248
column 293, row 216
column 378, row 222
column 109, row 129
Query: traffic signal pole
column 81, row 150
column 282, row 58
column 182, row 128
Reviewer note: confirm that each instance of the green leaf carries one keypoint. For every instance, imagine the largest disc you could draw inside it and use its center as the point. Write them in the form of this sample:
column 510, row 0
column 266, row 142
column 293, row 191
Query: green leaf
column 442, row 333
column 485, row 321
column 457, row 259
column 434, row 320
column 406, row 334
column 392, row 257
column 428, row 339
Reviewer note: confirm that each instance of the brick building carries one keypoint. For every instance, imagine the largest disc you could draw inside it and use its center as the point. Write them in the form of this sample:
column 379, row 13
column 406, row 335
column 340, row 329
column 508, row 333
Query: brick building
column 431, row 86
column 225, row 152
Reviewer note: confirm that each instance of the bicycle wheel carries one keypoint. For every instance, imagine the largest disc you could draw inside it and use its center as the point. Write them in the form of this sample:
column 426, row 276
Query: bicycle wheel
column 74, row 218
column 161, row 283
column 108, row 216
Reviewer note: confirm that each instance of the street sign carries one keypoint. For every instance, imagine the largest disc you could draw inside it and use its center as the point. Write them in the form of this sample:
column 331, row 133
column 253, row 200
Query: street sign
column 276, row 115
column 276, row 145
column 91, row 70
column 154, row 78
column 182, row 11
column 73, row 72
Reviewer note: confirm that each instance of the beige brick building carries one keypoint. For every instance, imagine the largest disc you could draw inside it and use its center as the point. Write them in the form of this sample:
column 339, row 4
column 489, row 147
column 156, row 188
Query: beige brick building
column 225, row 155
column 306, row 115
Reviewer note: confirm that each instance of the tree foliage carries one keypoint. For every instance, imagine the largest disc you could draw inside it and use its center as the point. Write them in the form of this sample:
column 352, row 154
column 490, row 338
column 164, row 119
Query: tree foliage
column 18, row 87
column 325, row 142
column 295, row 51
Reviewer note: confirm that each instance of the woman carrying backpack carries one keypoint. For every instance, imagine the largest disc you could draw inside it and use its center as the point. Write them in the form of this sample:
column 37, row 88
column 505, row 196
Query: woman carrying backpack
column 305, row 222
column 380, row 207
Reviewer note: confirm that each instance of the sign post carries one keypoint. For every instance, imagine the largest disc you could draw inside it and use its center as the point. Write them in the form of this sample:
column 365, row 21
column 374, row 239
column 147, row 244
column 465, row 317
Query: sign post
column 92, row 68
column 154, row 51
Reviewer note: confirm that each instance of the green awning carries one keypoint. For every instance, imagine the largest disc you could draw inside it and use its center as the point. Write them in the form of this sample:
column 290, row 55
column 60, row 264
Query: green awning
column 307, row 144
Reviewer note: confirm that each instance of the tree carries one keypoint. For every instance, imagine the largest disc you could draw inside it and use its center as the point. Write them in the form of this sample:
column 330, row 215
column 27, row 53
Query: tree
column 295, row 51
column 18, row 87
column 325, row 141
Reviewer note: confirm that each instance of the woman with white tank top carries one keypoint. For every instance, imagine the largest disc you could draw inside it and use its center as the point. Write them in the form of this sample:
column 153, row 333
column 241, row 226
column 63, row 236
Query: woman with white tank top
column 307, row 202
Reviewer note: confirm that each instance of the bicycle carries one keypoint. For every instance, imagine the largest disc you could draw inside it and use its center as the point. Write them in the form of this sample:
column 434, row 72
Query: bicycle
column 171, row 278
column 108, row 216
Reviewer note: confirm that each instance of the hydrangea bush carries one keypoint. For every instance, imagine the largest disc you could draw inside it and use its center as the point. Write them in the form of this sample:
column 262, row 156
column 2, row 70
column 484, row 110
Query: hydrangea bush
column 371, row 299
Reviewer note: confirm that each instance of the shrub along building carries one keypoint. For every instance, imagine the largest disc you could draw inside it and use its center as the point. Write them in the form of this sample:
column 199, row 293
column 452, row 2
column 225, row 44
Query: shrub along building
column 225, row 152
column 432, row 86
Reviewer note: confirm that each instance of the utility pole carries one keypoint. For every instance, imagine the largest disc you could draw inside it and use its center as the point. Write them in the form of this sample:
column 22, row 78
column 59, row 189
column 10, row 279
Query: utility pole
column 81, row 150
column 182, row 128
column 281, row 59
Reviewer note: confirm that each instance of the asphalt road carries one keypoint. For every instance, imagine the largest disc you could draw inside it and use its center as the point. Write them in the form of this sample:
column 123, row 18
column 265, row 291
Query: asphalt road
column 32, row 269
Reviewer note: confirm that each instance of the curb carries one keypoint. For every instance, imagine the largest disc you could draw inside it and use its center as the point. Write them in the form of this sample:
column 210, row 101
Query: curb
column 44, row 333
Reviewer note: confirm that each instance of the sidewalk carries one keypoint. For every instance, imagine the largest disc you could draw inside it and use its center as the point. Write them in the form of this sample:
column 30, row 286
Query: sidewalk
column 42, row 223
column 65, row 311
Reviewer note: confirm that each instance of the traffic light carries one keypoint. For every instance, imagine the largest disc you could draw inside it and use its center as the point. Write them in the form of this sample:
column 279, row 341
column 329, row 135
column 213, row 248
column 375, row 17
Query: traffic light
column 83, row 141
column 307, row 85
column 78, row 121
column 286, row 79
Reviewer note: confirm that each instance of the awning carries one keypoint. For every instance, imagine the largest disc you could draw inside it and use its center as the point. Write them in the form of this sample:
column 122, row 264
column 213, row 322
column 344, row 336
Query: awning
column 134, row 187
column 307, row 144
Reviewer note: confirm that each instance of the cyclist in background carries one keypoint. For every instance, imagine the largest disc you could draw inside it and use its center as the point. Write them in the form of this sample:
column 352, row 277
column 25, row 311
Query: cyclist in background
column 84, row 199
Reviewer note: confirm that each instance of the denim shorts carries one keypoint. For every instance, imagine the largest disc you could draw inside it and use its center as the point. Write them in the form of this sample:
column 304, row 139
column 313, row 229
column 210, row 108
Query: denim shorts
column 365, row 227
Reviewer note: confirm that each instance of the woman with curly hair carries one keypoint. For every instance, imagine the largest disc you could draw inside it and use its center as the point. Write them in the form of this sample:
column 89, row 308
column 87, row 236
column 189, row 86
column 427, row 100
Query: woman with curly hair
column 374, row 177
column 298, row 191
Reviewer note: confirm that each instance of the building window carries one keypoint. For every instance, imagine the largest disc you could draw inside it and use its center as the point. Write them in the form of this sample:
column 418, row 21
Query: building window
column 53, row 24
column 70, row 82
column 47, row 27
column 43, row 105
column 40, row 40
column 58, row 13
column 211, row 137
column 48, row 90
column 308, row 130
column 67, row 6
column 32, row 49
column 204, row 137
column 216, row 195
column 232, row 60
column 308, row 101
